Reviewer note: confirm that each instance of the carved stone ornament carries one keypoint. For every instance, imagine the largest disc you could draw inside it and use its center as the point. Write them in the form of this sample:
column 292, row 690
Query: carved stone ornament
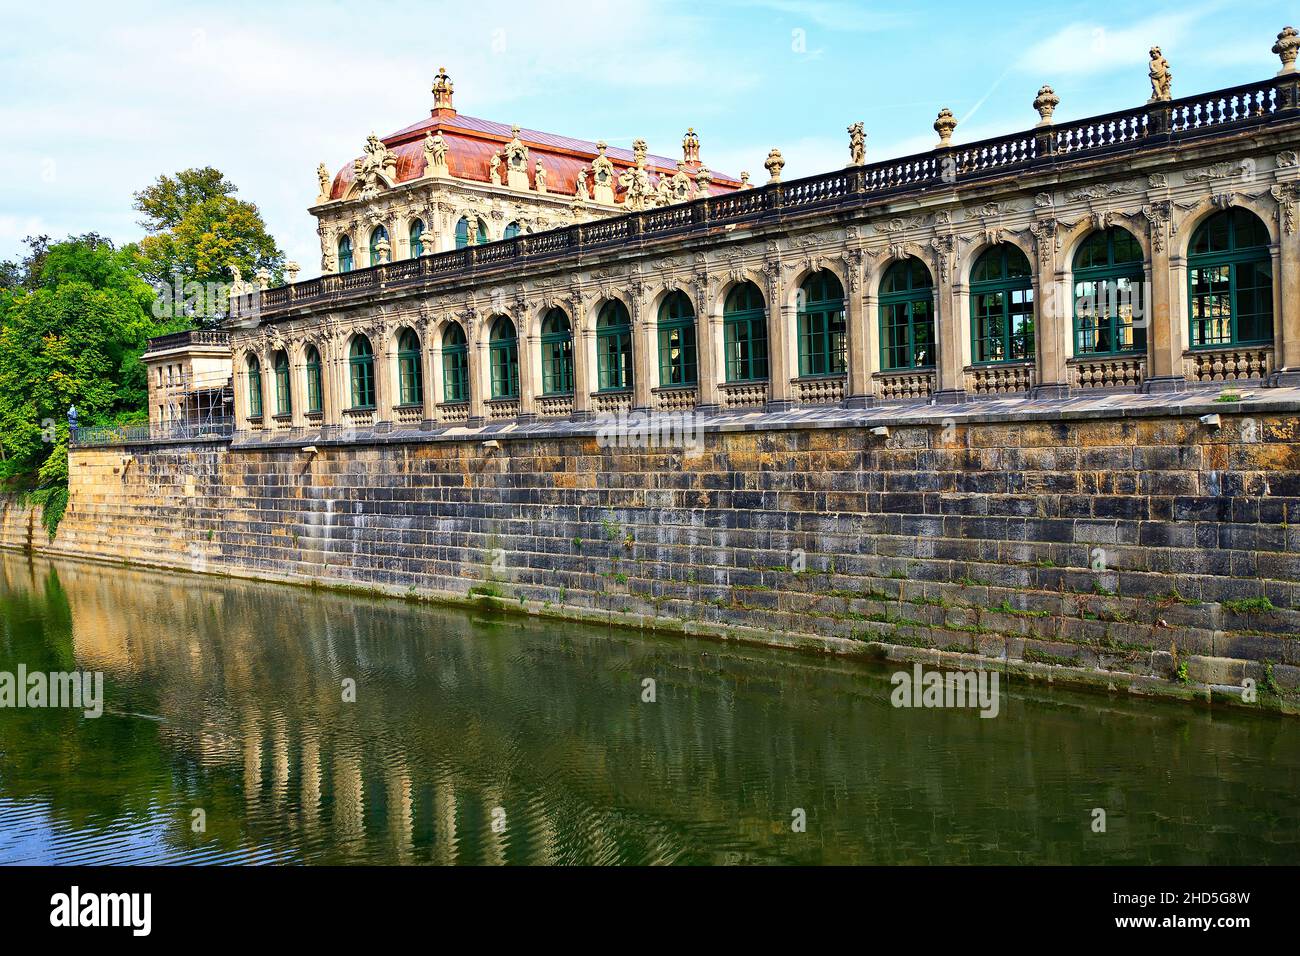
column 435, row 154
column 1287, row 196
column 1288, row 42
column 376, row 169
column 944, row 125
column 1157, row 216
column 1046, row 102
column 774, row 163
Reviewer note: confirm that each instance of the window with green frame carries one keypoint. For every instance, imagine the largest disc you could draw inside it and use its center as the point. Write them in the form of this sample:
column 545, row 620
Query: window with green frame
column 283, row 397
column 613, row 347
column 377, row 234
column 1230, row 281
column 1109, row 286
column 678, row 356
column 1002, row 306
column 410, row 377
column 744, row 333
column 503, row 358
column 417, row 239
column 557, row 353
column 455, row 365
column 345, row 254
column 361, row 368
column 512, row 230
column 823, row 338
column 315, row 395
column 907, row 316
column 254, row 387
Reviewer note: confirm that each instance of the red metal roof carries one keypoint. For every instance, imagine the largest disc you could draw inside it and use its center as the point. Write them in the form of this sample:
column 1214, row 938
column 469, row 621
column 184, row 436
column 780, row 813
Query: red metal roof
column 471, row 141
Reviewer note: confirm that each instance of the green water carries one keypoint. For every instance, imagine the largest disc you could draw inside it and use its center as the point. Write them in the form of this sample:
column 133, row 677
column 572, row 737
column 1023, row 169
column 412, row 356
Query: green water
column 479, row 740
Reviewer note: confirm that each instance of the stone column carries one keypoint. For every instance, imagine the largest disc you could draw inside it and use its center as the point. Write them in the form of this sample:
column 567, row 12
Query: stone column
column 431, row 374
column 298, row 387
column 1051, row 341
column 708, row 347
column 1286, row 290
column 584, row 365
column 858, row 391
column 951, row 334
column 645, row 365
column 870, row 338
column 480, row 374
column 268, row 390
column 530, row 372
column 783, row 355
column 385, row 381
column 1166, row 325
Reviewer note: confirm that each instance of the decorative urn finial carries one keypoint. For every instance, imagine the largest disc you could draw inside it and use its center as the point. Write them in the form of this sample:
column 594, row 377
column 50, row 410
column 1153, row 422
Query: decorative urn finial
column 442, row 88
column 944, row 124
column 744, row 180
column 1046, row 102
column 774, row 163
column 1288, row 43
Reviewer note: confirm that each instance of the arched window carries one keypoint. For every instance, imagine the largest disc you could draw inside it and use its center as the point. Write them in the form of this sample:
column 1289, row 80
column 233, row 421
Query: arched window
column 822, row 331
column 557, row 353
column 283, row 399
column 254, row 387
column 380, row 249
column 417, row 239
column 503, row 349
column 345, row 254
column 614, row 347
column 907, row 316
column 1230, row 281
column 744, row 327
column 678, row 360
column 361, row 364
column 315, row 396
column 1108, row 294
column 482, row 232
column 410, row 378
column 1002, row 306
column 512, row 230
column 455, row 365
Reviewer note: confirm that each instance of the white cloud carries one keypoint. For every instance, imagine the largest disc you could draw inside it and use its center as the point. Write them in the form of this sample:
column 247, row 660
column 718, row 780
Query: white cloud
column 1092, row 47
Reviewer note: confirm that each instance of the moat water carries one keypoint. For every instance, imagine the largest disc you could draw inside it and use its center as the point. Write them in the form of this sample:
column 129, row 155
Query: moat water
column 479, row 739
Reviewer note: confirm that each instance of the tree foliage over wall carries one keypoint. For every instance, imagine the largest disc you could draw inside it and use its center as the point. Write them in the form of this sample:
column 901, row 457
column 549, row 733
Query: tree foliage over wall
column 76, row 315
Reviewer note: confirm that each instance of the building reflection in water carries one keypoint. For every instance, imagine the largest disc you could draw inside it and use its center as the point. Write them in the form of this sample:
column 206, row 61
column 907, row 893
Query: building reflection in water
column 227, row 696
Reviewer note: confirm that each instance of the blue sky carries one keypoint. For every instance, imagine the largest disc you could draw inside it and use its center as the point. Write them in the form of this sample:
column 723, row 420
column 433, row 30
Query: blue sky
column 102, row 98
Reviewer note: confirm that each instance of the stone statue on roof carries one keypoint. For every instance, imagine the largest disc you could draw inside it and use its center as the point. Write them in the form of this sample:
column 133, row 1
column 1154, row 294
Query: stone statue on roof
column 1161, row 78
column 435, row 154
column 539, row 177
column 857, row 145
column 378, row 167
column 516, row 154
column 323, row 179
column 602, row 171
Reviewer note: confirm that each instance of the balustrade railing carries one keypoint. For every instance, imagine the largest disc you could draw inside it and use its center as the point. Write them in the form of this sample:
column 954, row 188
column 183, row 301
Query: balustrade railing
column 98, row 436
column 1126, row 130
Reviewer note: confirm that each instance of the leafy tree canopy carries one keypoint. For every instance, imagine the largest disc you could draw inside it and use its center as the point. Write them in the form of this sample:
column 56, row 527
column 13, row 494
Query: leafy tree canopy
column 70, row 333
column 198, row 230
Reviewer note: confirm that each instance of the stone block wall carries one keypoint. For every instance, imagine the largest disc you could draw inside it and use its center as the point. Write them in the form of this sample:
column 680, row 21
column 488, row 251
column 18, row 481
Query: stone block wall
column 1149, row 550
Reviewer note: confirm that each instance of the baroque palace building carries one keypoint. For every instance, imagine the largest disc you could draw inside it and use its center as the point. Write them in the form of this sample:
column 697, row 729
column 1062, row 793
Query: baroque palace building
column 477, row 273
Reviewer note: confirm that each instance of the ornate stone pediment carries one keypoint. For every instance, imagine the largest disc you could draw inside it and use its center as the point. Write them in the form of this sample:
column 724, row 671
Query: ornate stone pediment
column 376, row 170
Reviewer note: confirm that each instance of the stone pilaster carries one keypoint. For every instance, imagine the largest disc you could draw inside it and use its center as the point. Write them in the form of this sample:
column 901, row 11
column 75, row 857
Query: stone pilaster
column 783, row 355
column 1166, row 311
column 1286, row 295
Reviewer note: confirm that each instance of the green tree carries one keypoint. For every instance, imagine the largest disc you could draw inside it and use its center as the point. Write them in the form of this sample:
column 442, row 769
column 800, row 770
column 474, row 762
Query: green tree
column 70, row 334
column 197, row 231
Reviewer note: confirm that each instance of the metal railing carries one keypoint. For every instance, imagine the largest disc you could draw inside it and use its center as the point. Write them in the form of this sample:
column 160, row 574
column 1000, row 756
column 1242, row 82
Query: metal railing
column 100, row 436
column 1149, row 126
